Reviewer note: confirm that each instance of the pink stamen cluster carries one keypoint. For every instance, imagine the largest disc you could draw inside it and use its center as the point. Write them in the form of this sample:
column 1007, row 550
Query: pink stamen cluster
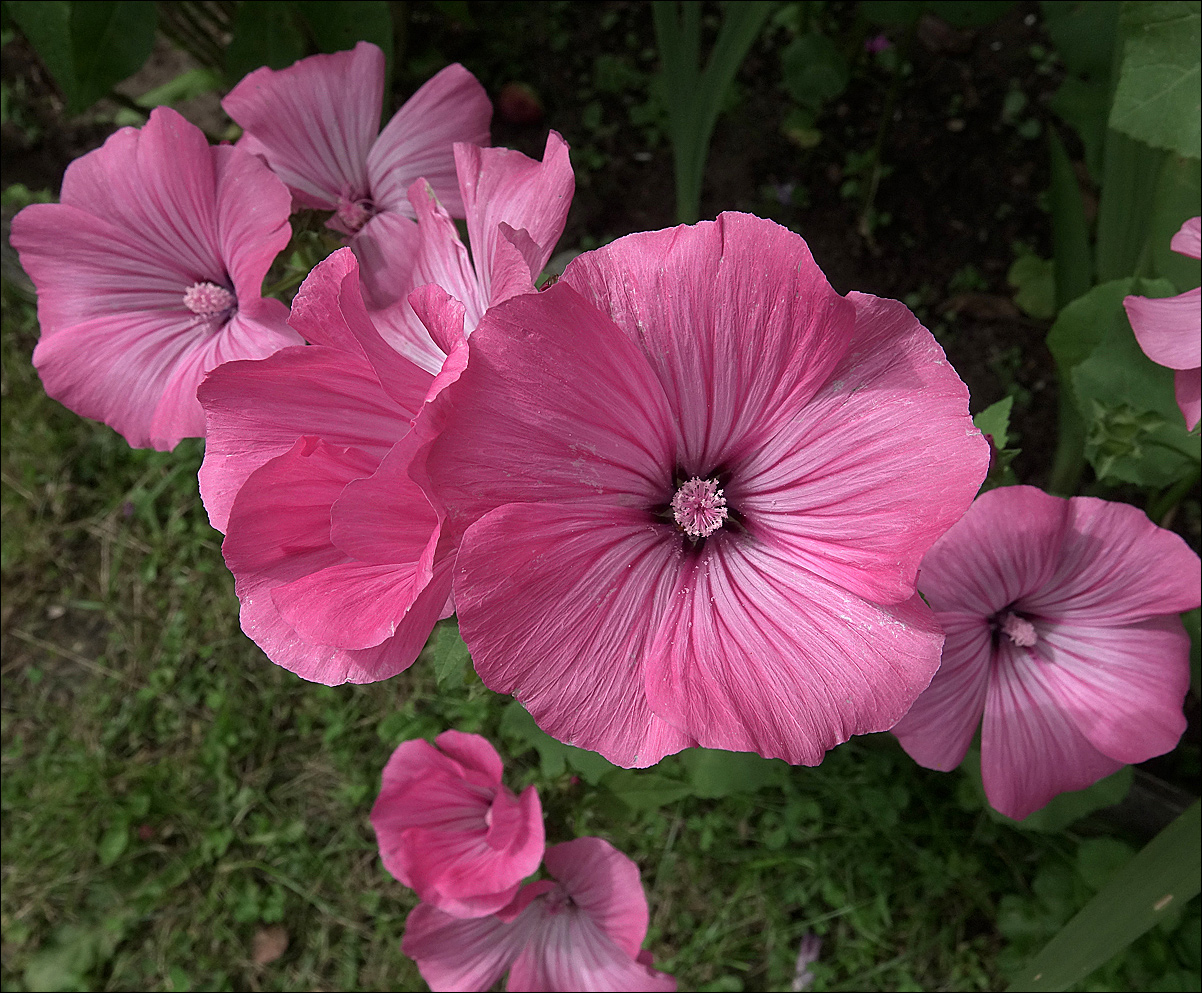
column 353, row 214
column 1019, row 630
column 209, row 299
column 699, row 507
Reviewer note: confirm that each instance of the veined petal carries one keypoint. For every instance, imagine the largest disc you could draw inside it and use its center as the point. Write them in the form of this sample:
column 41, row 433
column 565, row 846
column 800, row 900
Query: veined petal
column 937, row 731
column 1031, row 750
column 314, row 122
column 598, row 577
column 417, row 143
column 1168, row 328
column 1188, row 387
column 1188, row 240
column 736, row 319
column 604, row 884
column 461, row 954
column 859, row 482
column 386, row 247
column 756, row 654
column 256, row 411
column 252, row 218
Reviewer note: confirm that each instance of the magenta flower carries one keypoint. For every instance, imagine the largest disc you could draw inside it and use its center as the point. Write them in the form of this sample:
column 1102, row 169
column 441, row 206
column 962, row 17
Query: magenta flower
column 149, row 274
column 449, row 830
column 339, row 557
column 583, row 932
column 1062, row 629
column 1169, row 330
column 317, row 125
column 694, row 485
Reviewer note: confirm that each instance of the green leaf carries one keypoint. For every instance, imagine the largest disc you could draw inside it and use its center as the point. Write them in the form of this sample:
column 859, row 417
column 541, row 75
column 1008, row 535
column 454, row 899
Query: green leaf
column 448, row 654
column 814, row 70
column 265, row 34
column 1160, row 880
column 994, row 421
column 1178, row 193
column 1192, row 619
column 1129, row 176
column 186, row 86
column 1084, row 34
column 110, row 42
column 113, row 843
column 1085, row 108
column 554, row 755
column 1157, row 100
column 715, row 773
column 47, row 26
column 641, row 790
column 338, row 26
column 1034, row 280
column 1072, row 256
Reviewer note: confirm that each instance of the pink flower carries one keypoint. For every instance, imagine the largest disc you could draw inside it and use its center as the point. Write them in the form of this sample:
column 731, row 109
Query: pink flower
column 1169, row 330
column 1062, row 630
column 583, row 932
column 449, row 830
column 317, row 125
column 339, row 557
column 694, row 485
column 149, row 273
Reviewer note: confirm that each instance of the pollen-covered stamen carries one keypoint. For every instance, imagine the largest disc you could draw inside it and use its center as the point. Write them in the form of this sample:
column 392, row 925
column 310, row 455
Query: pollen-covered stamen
column 699, row 507
column 352, row 214
column 1019, row 630
column 209, row 299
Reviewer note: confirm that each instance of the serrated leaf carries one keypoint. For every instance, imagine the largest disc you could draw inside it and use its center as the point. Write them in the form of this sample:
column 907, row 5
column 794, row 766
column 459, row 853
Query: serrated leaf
column 994, row 421
column 1157, row 100
column 1160, row 880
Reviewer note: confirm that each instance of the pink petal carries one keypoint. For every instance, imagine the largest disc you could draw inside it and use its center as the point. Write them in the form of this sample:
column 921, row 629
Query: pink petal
column 859, row 483
column 1031, row 751
column 252, row 218
column 580, row 670
column 257, row 411
column 1116, row 567
column 604, row 885
column 1188, row 384
column 519, row 434
column 314, row 122
column 1188, row 240
column 735, row 317
column 570, row 953
column 460, row 954
column 1168, row 328
column 937, row 731
column 754, row 653
column 504, row 186
column 473, row 753
column 1122, row 687
column 1004, row 548
column 386, row 247
column 417, row 142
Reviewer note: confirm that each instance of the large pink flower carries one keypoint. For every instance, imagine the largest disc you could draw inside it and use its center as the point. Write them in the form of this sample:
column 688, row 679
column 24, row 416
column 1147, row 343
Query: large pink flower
column 448, row 829
column 583, row 932
column 317, row 124
column 339, row 557
column 1169, row 330
column 1062, row 629
column 149, row 274
column 694, row 486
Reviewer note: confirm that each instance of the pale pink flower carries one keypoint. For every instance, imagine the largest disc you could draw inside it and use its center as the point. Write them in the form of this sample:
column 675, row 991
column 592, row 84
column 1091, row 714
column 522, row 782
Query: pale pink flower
column 339, row 558
column 317, row 124
column 694, row 486
column 583, row 932
column 1169, row 330
column 149, row 273
column 448, row 829
column 1062, row 630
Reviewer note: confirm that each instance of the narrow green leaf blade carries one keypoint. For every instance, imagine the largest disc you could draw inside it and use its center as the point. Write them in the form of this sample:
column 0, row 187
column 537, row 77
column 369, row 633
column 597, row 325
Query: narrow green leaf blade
column 1159, row 880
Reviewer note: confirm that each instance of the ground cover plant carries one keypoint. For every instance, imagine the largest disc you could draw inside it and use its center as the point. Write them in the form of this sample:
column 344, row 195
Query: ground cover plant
column 180, row 813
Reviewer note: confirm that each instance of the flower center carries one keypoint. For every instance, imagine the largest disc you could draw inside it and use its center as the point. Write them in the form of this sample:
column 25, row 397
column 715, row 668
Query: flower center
column 353, row 214
column 699, row 507
column 209, row 299
column 1019, row 630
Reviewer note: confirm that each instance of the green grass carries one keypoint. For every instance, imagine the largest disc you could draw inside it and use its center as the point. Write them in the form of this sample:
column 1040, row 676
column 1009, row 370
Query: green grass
column 169, row 795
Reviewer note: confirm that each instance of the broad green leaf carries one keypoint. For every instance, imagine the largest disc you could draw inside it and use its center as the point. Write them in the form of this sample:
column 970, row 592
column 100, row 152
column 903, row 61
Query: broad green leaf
column 1157, row 100
column 1178, row 193
column 1159, row 881
column 994, row 421
column 338, row 26
column 47, row 26
column 1084, row 32
column 1078, row 328
column 265, row 34
column 1034, row 280
column 814, row 70
column 1085, row 108
column 110, row 41
column 641, row 790
column 448, row 654
column 715, row 774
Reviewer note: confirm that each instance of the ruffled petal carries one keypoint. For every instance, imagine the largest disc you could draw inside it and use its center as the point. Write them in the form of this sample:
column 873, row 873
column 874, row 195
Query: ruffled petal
column 418, row 141
column 860, row 482
column 735, row 317
column 1188, row 240
column 754, row 653
column 314, row 122
column 597, row 579
column 604, row 884
column 461, row 954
